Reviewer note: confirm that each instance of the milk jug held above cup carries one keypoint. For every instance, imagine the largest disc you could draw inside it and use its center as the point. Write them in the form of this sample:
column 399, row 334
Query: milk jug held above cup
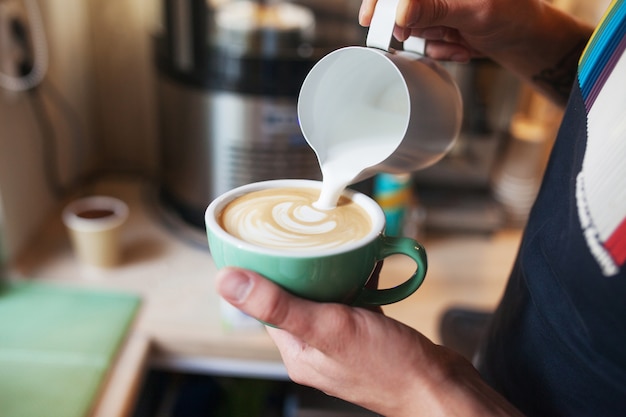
column 375, row 109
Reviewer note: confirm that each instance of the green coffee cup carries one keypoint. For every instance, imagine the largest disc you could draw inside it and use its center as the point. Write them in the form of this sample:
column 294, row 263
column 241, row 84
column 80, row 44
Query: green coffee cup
column 337, row 274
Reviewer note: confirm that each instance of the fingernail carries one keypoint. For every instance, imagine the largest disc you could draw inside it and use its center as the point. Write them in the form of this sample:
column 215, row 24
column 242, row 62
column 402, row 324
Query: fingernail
column 361, row 18
column 364, row 12
column 401, row 34
column 234, row 285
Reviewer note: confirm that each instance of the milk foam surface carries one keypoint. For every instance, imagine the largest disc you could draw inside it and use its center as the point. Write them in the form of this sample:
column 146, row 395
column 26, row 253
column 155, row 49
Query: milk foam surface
column 285, row 218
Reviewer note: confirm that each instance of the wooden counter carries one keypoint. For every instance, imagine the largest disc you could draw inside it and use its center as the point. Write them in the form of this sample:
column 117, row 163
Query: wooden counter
column 179, row 322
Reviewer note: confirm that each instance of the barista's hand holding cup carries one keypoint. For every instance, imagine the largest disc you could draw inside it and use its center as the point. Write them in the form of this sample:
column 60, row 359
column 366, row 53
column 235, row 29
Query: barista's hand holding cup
column 274, row 229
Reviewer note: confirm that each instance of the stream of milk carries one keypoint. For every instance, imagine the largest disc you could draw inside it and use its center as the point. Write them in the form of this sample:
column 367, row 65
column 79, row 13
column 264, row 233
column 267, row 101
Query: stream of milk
column 344, row 162
column 360, row 139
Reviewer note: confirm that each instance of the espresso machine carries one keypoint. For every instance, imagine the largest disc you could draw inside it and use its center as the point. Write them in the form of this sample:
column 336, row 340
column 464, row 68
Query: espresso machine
column 229, row 74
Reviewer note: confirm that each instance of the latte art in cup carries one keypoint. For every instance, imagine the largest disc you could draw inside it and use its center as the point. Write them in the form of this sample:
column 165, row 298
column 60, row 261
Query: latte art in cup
column 284, row 218
column 274, row 229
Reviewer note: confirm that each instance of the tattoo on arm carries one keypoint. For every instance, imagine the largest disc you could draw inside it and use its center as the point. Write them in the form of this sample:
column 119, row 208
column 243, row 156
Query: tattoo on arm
column 557, row 81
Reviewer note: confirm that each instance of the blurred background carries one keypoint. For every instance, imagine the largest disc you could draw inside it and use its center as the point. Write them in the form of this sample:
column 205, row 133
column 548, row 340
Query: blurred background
column 194, row 97
column 199, row 96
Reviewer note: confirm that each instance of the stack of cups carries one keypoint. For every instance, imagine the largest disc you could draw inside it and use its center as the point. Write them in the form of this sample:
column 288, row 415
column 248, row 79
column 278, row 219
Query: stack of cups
column 516, row 182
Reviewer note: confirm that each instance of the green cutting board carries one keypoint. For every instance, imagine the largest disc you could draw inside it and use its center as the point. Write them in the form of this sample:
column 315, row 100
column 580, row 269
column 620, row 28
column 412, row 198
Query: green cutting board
column 56, row 344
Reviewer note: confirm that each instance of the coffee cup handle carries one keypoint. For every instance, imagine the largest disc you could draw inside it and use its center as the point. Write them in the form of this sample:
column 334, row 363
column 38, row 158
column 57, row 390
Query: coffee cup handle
column 396, row 246
column 381, row 29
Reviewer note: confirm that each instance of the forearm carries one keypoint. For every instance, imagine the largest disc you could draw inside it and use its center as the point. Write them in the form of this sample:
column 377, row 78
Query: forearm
column 546, row 52
column 450, row 386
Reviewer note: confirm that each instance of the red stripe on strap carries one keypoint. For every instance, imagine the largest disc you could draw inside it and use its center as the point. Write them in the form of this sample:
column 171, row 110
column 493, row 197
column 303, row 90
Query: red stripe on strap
column 616, row 244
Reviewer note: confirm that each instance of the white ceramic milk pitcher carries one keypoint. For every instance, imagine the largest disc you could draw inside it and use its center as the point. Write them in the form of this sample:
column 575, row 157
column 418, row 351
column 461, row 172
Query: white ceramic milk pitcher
column 375, row 109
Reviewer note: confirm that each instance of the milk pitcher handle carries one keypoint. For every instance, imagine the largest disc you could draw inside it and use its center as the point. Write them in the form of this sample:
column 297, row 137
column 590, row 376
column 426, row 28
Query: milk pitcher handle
column 381, row 29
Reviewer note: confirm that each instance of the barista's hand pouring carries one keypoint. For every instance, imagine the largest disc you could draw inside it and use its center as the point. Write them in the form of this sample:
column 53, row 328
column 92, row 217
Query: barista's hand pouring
column 365, row 357
column 533, row 39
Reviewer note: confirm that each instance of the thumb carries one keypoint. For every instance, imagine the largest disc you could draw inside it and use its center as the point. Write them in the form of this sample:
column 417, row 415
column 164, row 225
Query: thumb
column 263, row 299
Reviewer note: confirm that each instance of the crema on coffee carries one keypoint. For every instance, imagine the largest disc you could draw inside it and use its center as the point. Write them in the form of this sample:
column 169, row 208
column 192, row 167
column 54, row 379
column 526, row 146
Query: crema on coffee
column 284, row 218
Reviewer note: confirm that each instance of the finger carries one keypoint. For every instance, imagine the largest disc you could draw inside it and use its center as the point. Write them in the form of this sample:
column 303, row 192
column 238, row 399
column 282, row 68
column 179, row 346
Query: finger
column 366, row 11
column 429, row 13
column 438, row 33
column 254, row 295
column 316, row 324
column 408, row 13
column 266, row 301
column 445, row 44
column 413, row 13
column 445, row 51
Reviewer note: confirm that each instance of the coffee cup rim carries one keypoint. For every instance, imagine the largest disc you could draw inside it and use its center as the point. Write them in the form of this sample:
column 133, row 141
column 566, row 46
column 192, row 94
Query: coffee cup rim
column 71, row 218
column 372, row 208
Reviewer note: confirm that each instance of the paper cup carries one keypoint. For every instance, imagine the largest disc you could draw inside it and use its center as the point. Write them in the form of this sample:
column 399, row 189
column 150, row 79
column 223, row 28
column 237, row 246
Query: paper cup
column 94, row 225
